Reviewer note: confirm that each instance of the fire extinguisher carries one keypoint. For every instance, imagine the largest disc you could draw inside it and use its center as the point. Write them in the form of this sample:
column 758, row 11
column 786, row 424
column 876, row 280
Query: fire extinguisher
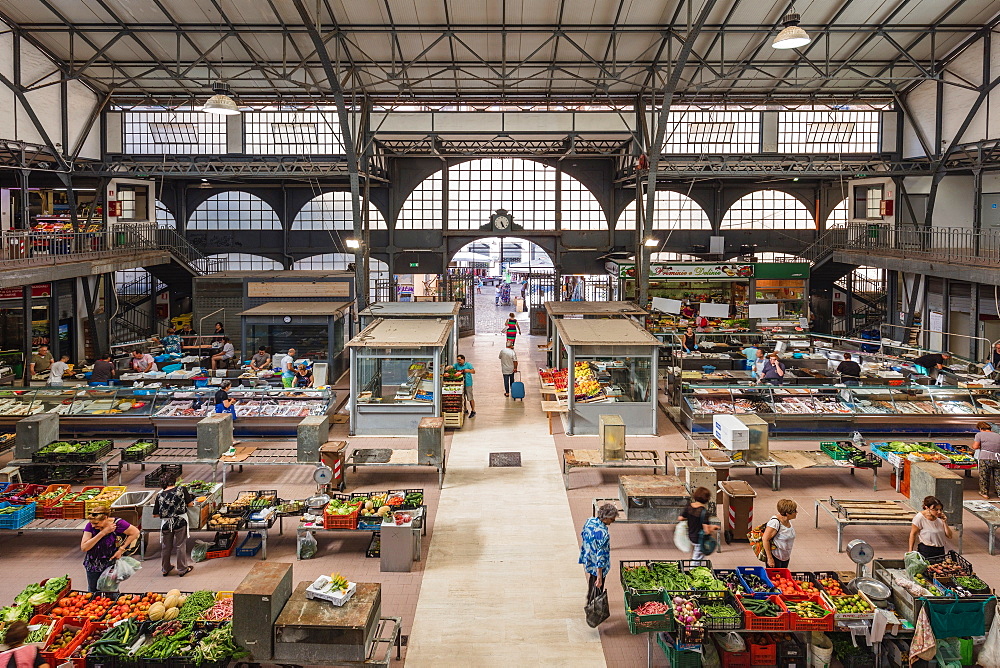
column 642, row 164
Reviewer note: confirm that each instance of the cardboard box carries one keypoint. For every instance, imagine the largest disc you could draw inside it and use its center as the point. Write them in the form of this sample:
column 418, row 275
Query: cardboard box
column 731, row 432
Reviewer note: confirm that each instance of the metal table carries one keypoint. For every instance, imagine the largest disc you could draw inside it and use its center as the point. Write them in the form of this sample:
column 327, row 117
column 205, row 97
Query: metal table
column 813, row 459
column 844, row 513
column 181, row 454
column 990, row 517
column 389, row 457
column 634, row 459
column 269, row 456
column 51, row 525
column 419, row 524
column 112, row 460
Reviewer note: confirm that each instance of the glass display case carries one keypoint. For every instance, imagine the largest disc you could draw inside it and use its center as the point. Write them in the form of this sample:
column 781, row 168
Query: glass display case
column 396, row 374
column 803, row 409
column 611, row 366
column 173, row 412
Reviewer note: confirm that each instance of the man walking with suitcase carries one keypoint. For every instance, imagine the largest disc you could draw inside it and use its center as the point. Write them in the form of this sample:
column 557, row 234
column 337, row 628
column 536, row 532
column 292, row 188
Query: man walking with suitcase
column 508, row 366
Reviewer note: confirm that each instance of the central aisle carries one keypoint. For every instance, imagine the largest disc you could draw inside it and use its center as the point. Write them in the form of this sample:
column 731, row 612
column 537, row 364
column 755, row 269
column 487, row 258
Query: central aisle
column 502, row 585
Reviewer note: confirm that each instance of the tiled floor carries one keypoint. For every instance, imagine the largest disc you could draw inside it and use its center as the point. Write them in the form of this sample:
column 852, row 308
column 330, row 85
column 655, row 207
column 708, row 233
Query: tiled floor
column 499, row 584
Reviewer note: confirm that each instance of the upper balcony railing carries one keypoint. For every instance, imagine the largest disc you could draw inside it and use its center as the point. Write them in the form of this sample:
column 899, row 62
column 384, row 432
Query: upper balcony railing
column 960, row 245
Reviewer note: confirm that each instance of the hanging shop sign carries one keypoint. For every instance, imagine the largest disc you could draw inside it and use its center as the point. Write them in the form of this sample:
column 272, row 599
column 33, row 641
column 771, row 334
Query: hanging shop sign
column 686, row 270
column 38, row 290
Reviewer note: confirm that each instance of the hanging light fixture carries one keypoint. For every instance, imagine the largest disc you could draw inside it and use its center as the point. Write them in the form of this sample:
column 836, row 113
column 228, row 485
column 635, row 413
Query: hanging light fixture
column 791, row 36
column 221, row 103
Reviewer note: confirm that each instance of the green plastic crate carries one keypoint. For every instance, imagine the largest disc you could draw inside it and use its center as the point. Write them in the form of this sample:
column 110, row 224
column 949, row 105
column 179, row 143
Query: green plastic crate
column 678, row 658
column 646, row 623
column 834, row 451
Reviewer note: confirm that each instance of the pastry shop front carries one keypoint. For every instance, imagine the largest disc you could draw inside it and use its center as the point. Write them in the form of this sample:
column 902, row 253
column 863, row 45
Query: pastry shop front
column 396, row 374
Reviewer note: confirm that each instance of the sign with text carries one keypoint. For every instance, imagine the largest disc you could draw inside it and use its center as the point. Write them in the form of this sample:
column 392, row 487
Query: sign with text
column 299, row 289
column 691, row 271
column 40, row 290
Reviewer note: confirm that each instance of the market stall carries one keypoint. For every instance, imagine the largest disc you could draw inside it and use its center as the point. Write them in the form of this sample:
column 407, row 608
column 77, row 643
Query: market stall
column 589, row 310
column 396, row 367
column 612, row 367
column 449, row 311
column 316, row 330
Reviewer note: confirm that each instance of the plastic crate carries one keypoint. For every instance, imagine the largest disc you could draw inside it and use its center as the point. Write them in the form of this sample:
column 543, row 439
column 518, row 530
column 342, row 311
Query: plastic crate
column 113, row 491
column 731, row 623
column 251, row 545
column 764, row 654
column 223, row 545
column 88, row 631
column 839, row 616
column 645, row 623
column 948, row 584
column 790, row 647
column 806, row 577
column 342, row 521
column 787, row 575
column 826, row 575
column 46, row 608
column 678, row 658
column 797, row 623
column 754, row 623
column 732, row 659
column 19, row 518
column 62, row 623
column 720, row 573
column 374, row 550
column 76, row 510
column 760, row 572
column 22, row 493
column 141, row 454
column 369, row 522
column 410, row 506
column 61, row 489
column 834, row 451
column 957, row 558
column 625, row 565
column 152, row 480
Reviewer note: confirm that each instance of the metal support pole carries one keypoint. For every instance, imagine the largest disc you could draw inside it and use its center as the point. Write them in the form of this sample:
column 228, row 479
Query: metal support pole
column 26, row 330
column 53, row 309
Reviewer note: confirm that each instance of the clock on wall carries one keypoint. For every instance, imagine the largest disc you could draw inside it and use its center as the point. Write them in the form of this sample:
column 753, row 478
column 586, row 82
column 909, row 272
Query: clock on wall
column 502, row 220
column 287, row 319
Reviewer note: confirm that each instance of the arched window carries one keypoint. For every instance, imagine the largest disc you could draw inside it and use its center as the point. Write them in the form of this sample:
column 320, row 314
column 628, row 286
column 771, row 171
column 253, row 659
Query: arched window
column 674, row 211
column 338, row 262
column 163, row 217
column 423, row 209
column 234, row 210
column 524, row 187
column 242, row 262
column 838, row 216
column 332, row 211
column 768, row 210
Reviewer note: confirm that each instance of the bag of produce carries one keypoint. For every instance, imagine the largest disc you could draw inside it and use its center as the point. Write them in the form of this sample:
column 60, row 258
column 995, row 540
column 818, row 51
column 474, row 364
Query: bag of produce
column 117, row 573
column 915, row 563
column 731, row 642
column 307, row 546
column 199, row 551
column 681, row 540
column 989, row 655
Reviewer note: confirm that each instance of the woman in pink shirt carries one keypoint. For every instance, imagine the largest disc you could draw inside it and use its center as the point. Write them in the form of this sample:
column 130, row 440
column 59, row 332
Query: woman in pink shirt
column 142, row 362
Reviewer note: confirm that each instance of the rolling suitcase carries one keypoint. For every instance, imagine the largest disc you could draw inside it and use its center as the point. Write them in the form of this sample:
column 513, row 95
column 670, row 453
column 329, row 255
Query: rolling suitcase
column 517, row 388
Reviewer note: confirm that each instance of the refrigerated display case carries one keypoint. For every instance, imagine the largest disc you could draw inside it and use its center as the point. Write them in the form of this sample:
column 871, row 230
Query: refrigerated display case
column 828, row 409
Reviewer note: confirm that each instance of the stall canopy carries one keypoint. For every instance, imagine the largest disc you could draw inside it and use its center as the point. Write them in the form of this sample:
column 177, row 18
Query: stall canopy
column 559, row 309
column 299, row 309
column 407, row 333
column 412, row 309
column 620, row 332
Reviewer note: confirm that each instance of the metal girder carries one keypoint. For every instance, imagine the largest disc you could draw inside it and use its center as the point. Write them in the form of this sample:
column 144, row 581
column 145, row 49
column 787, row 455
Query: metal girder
column 436, row 145
column 290, row 70
column 34, row 157
column 246, row 166
column 754, row 166
column 983, row 155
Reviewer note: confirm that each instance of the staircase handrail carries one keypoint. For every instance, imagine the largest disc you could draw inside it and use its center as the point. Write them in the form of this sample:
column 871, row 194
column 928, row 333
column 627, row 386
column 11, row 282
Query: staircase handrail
column 168, row 239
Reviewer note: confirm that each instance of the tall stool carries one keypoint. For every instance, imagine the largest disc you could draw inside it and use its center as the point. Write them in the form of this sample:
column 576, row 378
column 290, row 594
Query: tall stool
column 9, row 473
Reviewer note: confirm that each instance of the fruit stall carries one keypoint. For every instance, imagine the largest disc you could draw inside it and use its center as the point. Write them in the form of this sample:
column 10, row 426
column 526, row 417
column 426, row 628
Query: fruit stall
column 756, row 616
column 606, row 378
column 117, row 629
column 396, row 368
column 448, row 311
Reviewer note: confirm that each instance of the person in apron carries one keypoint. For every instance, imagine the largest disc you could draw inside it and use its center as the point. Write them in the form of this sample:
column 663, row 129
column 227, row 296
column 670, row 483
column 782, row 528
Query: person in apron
column 171, row 507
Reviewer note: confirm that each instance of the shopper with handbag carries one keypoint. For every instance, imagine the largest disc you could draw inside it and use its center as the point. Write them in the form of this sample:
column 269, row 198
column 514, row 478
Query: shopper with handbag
column 700, row 532
column 595, row 555
column 779, row 534
column 987, row 449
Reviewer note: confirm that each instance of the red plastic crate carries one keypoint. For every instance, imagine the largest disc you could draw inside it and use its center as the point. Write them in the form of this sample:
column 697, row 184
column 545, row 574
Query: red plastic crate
column 46, row 608
column 67, row 654
column 765, row 654
column 220, row 554
column 54, row 488
column 733, row 659
column 797, row 623
column 72, row 622
column 76, row 510
column 786, row 574
column 341, row 521
column 754, row 623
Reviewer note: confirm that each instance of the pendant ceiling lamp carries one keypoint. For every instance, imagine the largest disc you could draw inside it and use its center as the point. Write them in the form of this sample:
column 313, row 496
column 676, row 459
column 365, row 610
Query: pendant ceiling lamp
column 222, row 102
column 792, row 36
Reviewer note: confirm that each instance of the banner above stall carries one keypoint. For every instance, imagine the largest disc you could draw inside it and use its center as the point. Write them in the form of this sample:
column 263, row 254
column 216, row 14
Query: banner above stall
column 733, row 271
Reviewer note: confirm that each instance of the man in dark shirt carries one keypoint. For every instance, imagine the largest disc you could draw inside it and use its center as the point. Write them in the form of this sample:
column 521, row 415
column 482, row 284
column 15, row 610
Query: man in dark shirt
column 850, row 371
column 930, row 361
column 223, row 404
column 103, row 371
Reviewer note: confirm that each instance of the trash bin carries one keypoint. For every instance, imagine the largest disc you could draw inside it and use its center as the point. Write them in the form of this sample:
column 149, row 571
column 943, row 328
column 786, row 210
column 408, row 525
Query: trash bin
column 737, row 509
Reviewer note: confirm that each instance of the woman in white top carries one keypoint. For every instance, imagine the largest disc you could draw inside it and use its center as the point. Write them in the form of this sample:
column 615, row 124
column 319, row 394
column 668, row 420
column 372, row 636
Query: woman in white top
column 779, row 534
column 930, row 528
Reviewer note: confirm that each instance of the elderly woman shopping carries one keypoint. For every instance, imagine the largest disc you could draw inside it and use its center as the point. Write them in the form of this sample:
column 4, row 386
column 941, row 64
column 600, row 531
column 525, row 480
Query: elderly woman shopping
column 595, row 552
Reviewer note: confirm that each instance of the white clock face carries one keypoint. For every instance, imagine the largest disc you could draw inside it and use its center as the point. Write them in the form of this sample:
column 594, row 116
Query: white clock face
column 501, row 222
column 287, row 318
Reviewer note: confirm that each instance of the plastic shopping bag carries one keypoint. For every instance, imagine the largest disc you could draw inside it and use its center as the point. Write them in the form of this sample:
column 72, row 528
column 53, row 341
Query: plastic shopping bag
column 117, row 573
column 989, row 655
column 307, row 546
column 199, row 551
column 915, row 563
column 731, row 642
column 681, row 540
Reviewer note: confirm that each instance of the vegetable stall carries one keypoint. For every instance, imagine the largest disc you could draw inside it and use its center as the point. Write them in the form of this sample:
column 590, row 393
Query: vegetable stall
column 753, row 615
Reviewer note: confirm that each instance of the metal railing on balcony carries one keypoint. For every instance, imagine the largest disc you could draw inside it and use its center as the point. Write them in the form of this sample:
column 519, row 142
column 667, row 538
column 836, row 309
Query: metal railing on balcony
column 960, row 245
column 28, row 247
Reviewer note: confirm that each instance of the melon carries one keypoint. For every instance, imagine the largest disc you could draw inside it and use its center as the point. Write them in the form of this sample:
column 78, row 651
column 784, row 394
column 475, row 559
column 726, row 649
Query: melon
column 172, row 601
column 383, row 511
column 156, row 612
column 174, row 592
column 171, row 613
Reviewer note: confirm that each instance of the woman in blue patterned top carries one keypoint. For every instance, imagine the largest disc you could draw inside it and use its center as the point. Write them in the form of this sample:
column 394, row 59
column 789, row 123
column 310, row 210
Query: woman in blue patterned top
column 595, row 552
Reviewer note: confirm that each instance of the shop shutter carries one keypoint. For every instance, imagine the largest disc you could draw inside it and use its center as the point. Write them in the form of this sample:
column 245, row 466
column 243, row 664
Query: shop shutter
column 960, row 297
column 935, row 294
column 989, row 295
